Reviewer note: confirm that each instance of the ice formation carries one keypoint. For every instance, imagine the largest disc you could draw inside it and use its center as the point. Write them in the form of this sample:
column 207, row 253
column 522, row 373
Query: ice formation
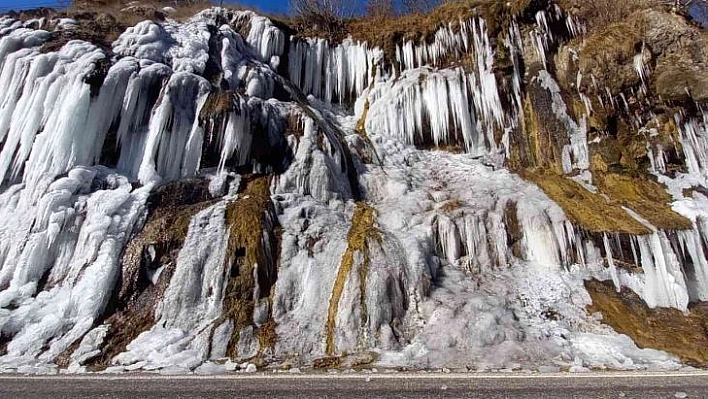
column 426, row 257
column 332, row 72
column 451, row 41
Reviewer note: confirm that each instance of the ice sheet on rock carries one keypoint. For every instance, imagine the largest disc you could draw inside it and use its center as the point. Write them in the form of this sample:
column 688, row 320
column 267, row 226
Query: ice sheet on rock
column 171, row 147
column 61, row 123
column 184, row 47
column 306, row 276
column 619, row 352
column 464, row 301
column 19, row 39
column 74, row 234
column 314, row 171
column 192, row 301
column 8, row 24
column 89, row 347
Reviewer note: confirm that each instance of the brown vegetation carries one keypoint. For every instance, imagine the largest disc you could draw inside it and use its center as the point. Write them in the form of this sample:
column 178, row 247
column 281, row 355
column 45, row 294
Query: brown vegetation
column 588, row 210
column 602, row 211
column 331, row 362
column 325, row 16
column 145, row 9
column 267, row 336
column 248, row 218
column 601, row 13
column 101, row 22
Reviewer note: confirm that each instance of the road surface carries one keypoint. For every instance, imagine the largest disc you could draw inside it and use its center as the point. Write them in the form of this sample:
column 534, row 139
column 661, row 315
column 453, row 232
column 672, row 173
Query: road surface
column 268, row 385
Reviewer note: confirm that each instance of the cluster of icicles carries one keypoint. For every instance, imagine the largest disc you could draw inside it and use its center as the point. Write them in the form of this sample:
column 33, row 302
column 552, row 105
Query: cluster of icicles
column 470, row 105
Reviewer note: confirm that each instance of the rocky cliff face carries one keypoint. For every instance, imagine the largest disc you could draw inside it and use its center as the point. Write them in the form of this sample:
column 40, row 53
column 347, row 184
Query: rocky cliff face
column 219, row 190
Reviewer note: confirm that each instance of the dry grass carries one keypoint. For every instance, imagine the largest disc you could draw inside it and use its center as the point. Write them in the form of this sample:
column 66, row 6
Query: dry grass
column 146, row 9
column 124, row 328
column 362, row 230
column 451, row 206
column 267, row 337
column 685, row 336
column 601, row 13
column 331, row 362
column 101, row 22
column 218, row 103
column 608, row 54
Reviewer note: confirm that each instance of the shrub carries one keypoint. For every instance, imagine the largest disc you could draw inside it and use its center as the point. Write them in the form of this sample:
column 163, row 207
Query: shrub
column 319, row 15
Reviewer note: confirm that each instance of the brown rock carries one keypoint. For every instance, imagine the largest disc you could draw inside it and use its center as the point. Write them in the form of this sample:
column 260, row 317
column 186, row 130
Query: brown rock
column 684, row 335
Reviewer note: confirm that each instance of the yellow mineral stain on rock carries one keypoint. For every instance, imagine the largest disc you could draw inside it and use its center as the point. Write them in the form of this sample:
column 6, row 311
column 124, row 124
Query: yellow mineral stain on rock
column 362, row 230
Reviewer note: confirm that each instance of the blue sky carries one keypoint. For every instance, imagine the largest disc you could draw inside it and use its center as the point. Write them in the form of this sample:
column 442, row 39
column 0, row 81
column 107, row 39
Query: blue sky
column 280, row 6
column 265, row 5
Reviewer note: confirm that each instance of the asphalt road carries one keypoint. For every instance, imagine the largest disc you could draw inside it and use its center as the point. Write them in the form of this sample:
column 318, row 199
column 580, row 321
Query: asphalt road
column 605, row 385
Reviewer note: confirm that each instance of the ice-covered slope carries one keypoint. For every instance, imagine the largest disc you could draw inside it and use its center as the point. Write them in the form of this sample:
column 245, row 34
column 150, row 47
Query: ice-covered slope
column 215, row 189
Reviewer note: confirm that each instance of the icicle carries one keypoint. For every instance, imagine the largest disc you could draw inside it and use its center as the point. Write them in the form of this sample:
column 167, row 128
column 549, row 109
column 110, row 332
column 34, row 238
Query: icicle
column 420, row 103
column 611, row 263
column 266, row 38
column 642, row 69
column 664, row 280
column 514, row 45
column 694, row 141
column 174, row 119
column 237, row 137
